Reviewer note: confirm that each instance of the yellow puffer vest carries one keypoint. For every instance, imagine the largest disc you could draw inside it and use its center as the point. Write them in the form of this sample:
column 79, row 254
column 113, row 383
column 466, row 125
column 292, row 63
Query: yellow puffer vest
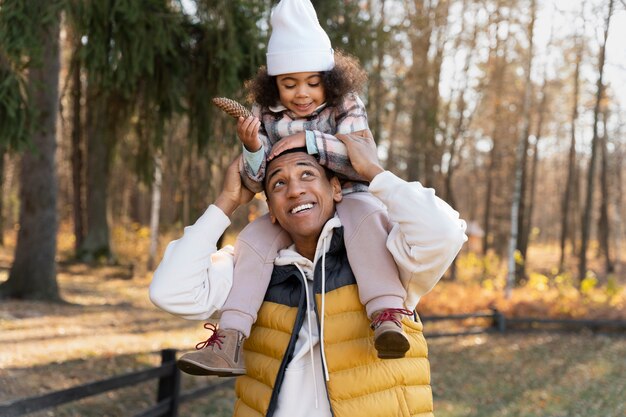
column 360, row 384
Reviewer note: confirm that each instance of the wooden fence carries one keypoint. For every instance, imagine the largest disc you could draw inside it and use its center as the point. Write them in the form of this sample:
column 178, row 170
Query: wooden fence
column 497, row 322
column 169, row 396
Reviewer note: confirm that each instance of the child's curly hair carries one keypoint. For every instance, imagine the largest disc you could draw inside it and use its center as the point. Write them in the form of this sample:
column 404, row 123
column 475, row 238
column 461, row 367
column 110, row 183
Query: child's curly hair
column 347, row 76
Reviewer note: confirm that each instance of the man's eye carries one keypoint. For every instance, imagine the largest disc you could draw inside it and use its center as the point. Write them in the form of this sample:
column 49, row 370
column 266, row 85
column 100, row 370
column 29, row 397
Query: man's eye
column 306, row 174
column 277, row 184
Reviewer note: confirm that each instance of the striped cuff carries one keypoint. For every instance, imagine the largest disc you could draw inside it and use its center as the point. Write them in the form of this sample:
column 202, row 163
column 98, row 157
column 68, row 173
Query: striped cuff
column 311, row 144
column 254, row 159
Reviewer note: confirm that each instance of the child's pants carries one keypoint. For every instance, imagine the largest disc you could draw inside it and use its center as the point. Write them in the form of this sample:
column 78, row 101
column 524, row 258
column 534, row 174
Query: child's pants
column 366, row 228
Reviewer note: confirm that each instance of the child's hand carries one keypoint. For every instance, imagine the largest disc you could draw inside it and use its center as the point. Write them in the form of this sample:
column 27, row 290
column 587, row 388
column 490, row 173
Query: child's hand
column 297, row 140
column 248, row 132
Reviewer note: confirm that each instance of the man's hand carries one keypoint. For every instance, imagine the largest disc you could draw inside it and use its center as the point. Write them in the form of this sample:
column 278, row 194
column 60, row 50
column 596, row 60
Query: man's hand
column 362, row 153
column 297, row 140
column 248, row 132
column 234, row 193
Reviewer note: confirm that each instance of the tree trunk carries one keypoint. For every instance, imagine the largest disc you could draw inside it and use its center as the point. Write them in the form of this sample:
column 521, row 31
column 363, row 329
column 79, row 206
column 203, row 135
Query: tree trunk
column 571, row 164
column 376, row 79
column 392, row 156
column 96, row 246
column 498, row 81
column 603, row 222
column 2, row 152
column 525, row 230
column 586, row 220
column 520, row 160
column 77, row 153
column 155, row 209
column 33, row 273
column 430, row 21
column 522, row 233
column 533, row 172
column 619, row 204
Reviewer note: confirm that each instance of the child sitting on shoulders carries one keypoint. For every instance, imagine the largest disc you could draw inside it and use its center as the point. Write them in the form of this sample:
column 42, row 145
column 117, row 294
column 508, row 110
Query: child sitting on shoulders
column 306, row 95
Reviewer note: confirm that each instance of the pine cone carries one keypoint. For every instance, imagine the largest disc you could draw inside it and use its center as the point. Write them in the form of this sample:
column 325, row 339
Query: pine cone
column 231, row 107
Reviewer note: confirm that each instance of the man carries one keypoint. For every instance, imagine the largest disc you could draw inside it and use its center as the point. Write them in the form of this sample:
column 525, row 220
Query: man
column 311, row 351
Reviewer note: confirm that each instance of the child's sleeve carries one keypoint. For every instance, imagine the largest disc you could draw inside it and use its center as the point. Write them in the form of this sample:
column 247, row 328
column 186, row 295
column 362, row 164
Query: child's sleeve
column 350, row 116
column 255, row 163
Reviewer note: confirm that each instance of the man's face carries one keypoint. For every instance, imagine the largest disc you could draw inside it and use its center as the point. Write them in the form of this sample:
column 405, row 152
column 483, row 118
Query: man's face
column 301, row 92
column 300, row 196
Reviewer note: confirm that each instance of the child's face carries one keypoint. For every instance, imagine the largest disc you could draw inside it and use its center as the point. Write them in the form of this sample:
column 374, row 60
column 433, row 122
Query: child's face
column 301, row 92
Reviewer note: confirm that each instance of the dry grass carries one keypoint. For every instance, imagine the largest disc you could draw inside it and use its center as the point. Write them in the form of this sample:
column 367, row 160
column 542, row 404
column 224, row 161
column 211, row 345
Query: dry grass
column 109, row 327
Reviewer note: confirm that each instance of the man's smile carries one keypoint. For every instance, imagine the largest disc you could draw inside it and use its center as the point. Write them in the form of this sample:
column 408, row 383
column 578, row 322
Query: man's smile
column 301, row 207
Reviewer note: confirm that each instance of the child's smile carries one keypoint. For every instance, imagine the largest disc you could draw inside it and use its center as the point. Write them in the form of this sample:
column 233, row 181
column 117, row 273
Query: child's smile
column 301, row 92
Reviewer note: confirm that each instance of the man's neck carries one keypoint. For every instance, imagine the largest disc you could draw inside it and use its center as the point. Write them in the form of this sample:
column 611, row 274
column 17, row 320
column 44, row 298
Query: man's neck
column 307, row 249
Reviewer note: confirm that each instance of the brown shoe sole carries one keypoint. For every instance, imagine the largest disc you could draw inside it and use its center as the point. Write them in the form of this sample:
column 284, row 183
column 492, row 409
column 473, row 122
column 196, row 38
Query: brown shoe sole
column 193, row 368
column 391, row 345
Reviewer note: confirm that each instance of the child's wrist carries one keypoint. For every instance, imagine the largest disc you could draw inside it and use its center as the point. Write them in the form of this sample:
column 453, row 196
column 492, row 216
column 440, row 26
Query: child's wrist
column 253, row 147
column 310, row 142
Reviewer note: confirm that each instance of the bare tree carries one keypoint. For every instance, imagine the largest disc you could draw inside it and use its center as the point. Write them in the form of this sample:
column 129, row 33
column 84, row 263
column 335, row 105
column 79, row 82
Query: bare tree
column 603, row 222
column 376, row 90
column 427, row 38
column 586, row 220
column 570, row 187
column 498, row 55
column 520, row 159
column 525, row 224
column 155, row 209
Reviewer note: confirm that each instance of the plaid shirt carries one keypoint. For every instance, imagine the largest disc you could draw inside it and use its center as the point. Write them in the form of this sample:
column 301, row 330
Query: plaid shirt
column 278, row 122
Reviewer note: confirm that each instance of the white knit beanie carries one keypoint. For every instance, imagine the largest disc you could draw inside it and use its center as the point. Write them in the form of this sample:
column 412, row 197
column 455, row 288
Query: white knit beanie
column 298, row 43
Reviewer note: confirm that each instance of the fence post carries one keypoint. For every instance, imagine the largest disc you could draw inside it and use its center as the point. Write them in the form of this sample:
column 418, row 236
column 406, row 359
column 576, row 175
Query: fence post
column 169, row 385
column 499, row 321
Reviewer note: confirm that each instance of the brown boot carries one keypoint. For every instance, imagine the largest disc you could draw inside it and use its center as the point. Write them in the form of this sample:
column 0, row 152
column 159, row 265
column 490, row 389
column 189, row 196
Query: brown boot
column 221, row 354
column 389, row 338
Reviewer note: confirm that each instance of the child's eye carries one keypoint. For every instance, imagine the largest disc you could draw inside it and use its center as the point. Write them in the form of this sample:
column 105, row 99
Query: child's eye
column 314, row 84
column 289, row 87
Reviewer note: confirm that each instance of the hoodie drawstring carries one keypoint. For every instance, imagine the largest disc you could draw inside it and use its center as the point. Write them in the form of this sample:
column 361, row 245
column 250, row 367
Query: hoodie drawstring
column 308, row 318
column 326, row 376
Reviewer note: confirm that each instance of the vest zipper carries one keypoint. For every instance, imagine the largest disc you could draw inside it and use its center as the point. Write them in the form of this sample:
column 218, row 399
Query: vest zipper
column 238, row 349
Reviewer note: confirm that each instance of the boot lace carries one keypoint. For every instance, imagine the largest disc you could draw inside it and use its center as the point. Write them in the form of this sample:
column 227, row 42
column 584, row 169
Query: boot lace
column 214, row 339
column 390, row 314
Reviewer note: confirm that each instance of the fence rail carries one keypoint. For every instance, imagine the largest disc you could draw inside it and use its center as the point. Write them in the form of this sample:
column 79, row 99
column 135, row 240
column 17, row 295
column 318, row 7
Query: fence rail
column 499, row 323
column 169, row 396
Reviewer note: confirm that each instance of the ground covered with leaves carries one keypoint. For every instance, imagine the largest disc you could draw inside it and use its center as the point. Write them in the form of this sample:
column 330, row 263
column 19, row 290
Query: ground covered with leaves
column 109, row 327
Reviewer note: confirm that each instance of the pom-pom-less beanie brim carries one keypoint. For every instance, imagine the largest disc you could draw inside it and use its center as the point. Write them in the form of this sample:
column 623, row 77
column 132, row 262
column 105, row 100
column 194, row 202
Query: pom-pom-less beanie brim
column 300, row 61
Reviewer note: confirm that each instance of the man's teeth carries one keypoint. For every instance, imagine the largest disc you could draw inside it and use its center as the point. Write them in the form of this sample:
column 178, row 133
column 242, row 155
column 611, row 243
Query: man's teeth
column 301, row 207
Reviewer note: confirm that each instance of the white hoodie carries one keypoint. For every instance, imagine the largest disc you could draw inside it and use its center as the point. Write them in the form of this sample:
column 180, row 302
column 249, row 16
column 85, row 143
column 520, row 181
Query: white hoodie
column 193, row 278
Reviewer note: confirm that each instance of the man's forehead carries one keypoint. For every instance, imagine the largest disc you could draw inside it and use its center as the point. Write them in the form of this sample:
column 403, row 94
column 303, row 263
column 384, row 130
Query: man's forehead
column 291, row 159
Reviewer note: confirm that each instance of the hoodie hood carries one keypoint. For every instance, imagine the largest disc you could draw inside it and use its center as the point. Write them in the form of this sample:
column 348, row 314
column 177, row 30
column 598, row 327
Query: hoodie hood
column 289, row 256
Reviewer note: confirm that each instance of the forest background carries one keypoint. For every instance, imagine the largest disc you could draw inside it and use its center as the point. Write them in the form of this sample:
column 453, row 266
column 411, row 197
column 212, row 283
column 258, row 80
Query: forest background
column 512, row 110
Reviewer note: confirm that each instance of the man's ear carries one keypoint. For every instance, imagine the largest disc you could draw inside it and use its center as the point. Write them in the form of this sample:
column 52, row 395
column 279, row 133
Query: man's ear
column 336, row 186
column 271, row 214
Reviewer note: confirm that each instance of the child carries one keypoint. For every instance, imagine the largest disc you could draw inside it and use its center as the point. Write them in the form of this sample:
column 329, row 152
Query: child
column 306, row 94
